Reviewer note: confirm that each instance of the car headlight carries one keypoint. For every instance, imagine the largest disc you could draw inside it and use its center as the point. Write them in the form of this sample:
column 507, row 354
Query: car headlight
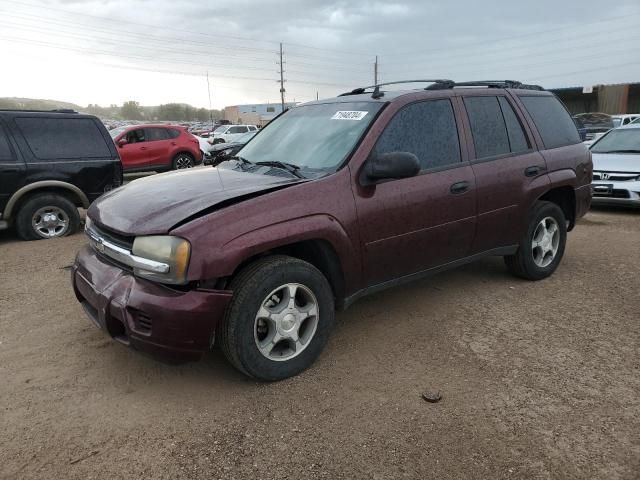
column 173, row 251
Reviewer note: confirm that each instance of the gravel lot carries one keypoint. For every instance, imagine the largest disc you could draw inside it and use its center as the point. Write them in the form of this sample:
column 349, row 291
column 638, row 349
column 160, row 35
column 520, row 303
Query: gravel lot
column 539, row 380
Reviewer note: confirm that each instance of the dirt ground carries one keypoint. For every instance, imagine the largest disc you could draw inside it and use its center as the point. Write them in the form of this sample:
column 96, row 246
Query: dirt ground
column 538, row 380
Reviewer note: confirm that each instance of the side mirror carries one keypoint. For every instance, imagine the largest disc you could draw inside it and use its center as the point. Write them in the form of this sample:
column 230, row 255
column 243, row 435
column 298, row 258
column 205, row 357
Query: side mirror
column 392, row 165
column 122, row 142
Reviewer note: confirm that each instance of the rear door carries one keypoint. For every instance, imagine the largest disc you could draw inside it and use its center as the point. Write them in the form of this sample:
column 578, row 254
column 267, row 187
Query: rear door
column 11, row 168
column 413, row 224
column 505, row 167
column 157, row 145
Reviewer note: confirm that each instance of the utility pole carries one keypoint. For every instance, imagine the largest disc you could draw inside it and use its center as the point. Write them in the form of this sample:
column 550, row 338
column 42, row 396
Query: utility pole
column 375, row 71
column 281, row 63
column 210, row 108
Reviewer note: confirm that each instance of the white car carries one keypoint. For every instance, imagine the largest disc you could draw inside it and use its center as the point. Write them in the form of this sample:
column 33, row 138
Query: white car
column 626, row 119
column 229, row 133
column 616, row 167
column 205, row 146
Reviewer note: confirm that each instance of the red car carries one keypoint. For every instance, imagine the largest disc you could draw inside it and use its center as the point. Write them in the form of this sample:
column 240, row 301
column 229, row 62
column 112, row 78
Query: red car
column 156, row 147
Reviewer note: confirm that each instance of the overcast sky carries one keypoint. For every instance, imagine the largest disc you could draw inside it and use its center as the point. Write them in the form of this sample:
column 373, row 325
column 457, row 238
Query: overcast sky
column 158, row 51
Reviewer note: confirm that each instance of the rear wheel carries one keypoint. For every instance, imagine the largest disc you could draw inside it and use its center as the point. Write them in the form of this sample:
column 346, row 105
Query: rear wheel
column 542, row 248
column 182, row 161
column 279, row 320
column 47, row 216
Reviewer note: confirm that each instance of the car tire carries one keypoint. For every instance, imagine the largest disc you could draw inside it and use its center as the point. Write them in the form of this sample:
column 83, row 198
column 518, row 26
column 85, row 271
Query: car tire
column 542, row 247
column 183, row 160
column 218, row 141
column 247, row 336
column 47, row 216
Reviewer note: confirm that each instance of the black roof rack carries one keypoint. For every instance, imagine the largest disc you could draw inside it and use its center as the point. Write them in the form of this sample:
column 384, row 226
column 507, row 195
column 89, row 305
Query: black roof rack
column 56, row 110
column 443, row 84
column 376, row 88
column 488, row 84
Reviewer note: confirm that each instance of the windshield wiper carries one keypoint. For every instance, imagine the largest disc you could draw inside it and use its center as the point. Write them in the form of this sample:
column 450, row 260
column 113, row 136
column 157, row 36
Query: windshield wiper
column 620, row 151
column 289, row 167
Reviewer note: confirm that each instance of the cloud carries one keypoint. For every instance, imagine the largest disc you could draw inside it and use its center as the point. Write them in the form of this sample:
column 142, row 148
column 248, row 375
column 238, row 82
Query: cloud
column 107, row 51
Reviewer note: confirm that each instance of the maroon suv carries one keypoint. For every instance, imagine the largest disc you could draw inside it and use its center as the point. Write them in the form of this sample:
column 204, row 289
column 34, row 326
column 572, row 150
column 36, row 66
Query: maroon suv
column 333, row 200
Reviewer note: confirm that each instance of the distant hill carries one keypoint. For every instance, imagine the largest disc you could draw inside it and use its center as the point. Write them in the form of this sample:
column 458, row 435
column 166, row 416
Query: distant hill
column 36, row 104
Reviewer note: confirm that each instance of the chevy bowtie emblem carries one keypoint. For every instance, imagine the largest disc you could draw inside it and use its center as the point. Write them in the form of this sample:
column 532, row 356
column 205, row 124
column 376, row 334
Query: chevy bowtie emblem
column 604, row 176
column 98, row 244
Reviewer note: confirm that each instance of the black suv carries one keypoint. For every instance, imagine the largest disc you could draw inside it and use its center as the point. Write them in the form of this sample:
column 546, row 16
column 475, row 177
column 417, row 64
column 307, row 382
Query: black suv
column 51, row 163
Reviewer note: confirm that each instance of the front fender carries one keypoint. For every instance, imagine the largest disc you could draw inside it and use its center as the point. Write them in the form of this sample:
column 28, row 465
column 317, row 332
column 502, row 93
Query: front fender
column 225, row 260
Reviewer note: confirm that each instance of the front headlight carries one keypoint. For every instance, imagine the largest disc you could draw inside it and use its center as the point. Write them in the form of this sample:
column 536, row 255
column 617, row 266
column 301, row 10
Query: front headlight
column 172, row 251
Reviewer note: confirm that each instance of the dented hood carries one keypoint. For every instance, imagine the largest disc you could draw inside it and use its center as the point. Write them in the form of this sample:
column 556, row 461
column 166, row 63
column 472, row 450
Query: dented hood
column 155, row 204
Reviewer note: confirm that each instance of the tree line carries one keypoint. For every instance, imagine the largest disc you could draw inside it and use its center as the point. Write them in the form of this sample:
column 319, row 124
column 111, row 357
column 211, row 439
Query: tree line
column 130, row 110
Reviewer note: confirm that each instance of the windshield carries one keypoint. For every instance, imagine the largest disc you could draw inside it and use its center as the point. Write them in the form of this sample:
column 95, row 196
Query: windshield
column 221, row 128
column 623, row 140
column 116, row 131
column 317, row 138
column 616, row 122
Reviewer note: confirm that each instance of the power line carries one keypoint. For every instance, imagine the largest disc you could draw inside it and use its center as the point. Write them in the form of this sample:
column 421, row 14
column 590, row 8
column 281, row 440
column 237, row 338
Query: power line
column 148, row 25
column 502, row 39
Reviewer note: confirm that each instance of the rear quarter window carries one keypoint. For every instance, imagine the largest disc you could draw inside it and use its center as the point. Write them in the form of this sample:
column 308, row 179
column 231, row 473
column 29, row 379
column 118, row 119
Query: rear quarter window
column 173, row 133
column 63, row 138
column 5, row 149
column 552, row 120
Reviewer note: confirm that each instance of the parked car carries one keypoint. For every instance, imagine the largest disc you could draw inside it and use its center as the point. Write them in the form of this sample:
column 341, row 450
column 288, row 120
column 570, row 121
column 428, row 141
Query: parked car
column 156, row 147
column 229, row 133
column 625, row 119
column 205, row 146
column 218, row 153
column 51, row 163
column 616, row 167
column 594, row 124
column 374, row 189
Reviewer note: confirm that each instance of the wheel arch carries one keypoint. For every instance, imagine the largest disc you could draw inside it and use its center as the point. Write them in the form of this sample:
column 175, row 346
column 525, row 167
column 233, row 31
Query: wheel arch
column 318, row 252
column 565, row 197
column 67, row 190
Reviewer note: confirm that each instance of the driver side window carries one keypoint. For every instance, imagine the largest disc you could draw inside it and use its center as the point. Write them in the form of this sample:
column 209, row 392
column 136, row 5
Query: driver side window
column 135, row 136
column 426, row 129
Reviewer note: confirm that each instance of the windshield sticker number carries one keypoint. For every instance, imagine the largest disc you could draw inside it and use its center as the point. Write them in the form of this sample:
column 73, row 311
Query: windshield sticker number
column 348, row 115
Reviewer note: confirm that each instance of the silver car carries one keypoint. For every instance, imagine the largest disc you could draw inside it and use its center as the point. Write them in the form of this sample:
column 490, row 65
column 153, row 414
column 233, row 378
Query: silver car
column 616, row 167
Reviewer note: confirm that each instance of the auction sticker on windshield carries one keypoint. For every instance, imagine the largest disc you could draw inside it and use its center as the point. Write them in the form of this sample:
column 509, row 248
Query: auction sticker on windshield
column 349, row 115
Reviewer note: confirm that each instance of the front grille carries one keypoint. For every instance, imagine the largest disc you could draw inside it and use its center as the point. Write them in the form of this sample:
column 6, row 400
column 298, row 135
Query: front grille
column 615, row 193
column 123, row 241
column 615, row 176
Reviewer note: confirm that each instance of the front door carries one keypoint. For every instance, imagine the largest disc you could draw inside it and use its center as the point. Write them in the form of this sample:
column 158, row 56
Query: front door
column 134, row 153
column 413, row 224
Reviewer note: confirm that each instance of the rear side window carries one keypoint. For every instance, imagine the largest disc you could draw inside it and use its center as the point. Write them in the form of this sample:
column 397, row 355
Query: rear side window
column 517, row 138
column 487, row 126
column 426, row 129
column 154, row 134
column 552, row 121
column 63, row 138
column 173, row 133
column 5, row 149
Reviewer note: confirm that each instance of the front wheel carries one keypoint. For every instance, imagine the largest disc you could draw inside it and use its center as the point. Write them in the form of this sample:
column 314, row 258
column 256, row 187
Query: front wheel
column 47, row 216
column 279, row 320
column 542, row 248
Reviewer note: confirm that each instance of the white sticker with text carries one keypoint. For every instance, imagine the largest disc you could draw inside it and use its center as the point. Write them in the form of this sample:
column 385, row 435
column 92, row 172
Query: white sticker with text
column 349, row 115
